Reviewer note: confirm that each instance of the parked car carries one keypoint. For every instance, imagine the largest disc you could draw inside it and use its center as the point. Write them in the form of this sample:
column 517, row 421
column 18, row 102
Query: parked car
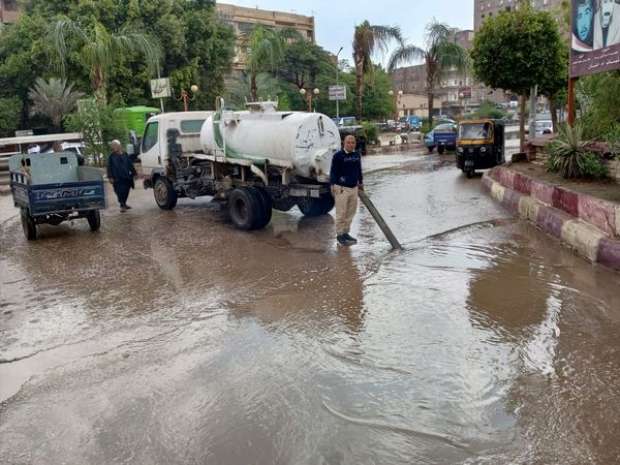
column 345, row 121
column 443, row 136
column 544, row 127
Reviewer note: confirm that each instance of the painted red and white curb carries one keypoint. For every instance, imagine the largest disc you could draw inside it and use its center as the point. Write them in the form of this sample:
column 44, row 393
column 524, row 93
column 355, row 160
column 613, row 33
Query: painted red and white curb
column 589, row 225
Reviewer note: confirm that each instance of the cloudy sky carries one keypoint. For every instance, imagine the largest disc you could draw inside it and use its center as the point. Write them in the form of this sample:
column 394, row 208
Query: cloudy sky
column 335, row 19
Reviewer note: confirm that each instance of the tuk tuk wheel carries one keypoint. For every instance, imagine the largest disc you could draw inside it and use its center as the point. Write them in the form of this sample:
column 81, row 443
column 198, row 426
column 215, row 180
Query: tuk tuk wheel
column 28, row 225
column 94, row 220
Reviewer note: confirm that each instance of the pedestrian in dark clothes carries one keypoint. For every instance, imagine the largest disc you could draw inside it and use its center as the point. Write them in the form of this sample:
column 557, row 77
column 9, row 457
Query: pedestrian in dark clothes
column 346, row 180
column 121, row 173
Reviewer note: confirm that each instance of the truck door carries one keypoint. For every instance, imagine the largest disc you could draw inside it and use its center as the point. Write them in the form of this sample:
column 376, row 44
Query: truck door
column 150, row 150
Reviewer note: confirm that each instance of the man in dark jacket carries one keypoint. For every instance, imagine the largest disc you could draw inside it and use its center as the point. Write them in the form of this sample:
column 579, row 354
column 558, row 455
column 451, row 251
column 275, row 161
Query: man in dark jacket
column 121, row 173
column 346, row 179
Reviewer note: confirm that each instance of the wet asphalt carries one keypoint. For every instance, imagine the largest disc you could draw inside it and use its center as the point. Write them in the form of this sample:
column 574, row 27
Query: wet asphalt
column 172, row 338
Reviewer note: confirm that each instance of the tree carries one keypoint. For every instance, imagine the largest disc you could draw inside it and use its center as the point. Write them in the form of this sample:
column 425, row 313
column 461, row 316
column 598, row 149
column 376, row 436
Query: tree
column 10, row 110
column 554, row 86
column 367, row 40
column 442, row 54
column 264, row 50
column 509, row 54
column 303, row 62
column 100, row 49
column 54, row 99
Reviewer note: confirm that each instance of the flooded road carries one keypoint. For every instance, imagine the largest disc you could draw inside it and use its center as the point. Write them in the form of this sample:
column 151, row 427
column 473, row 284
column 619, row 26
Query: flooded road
column 172, row 338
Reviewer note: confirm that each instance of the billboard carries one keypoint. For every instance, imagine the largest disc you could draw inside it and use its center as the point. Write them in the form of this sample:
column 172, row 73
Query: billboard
column 595, row 36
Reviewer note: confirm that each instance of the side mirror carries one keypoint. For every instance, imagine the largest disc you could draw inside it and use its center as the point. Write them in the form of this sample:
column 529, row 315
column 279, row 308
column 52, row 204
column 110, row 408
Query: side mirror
column 131, row 149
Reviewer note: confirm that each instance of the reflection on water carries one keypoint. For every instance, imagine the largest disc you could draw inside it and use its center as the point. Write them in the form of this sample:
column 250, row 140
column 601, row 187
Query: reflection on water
column 172, row 338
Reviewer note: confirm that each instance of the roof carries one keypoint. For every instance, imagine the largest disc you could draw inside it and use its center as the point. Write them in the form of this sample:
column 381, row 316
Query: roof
column 41, row 139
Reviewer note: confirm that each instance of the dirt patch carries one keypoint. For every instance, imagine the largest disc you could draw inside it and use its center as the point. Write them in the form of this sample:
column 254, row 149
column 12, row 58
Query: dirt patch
column 606, row 190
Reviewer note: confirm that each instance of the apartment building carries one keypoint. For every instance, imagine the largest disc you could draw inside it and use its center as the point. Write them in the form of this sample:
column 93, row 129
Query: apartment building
column 484, row 9
column 9, row 11
column 243, row 20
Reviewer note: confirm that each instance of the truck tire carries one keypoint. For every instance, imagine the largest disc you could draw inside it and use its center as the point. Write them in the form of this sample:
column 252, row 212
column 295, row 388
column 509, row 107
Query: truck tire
column 165, row 195
column 28, row 225
column 94, row 220
column 245, row 208
column 266, row 210
column 316, row 207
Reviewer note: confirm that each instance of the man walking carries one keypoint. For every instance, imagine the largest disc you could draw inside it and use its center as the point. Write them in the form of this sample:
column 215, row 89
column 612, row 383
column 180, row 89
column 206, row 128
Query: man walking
column 346, row 179
column 121, row 173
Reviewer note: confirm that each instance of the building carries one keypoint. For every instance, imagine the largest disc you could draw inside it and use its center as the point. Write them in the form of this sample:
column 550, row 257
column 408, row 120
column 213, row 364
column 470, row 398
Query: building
column 456, row 91
column 243, row 20
column 9, row 11
column 411, row 105
column 484, row 9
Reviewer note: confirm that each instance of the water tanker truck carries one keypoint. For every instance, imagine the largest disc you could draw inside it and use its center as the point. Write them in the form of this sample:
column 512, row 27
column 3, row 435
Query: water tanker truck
column 254, row 160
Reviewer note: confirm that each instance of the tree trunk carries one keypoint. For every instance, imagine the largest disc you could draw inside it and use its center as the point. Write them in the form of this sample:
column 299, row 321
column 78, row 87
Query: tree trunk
column 253, row 88
column 431, row 104
column 522, row 105
column 359, row 86
column 554, row 113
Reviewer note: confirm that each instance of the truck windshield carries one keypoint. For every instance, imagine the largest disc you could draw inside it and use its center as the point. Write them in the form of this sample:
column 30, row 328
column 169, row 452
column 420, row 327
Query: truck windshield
column 475, row 131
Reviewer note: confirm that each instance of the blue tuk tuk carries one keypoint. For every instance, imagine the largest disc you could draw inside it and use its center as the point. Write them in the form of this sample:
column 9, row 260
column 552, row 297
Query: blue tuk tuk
column 50, row 188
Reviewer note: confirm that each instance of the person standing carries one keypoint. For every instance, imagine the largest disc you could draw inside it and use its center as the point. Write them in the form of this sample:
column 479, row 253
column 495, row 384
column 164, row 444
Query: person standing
column 346, row 179
column 121, row 173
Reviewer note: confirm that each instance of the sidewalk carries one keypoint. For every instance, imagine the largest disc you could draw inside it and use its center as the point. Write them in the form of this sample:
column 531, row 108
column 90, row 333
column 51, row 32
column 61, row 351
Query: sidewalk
column 588, row 224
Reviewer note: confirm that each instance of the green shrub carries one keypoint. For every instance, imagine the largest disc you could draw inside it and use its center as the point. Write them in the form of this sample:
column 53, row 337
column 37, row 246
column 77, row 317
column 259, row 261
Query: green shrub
column 99, row 126
column 613, row 139
column 371, row 132
column 10, row 113
column 569, row 156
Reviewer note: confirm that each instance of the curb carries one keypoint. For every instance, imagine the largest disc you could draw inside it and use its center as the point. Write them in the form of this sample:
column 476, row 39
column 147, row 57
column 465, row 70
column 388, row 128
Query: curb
column 601, row 214
column 585, row 238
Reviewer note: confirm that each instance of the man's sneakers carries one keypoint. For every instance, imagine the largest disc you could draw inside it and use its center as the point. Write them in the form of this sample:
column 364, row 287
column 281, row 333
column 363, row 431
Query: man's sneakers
column 124, row 208
column 346, row 240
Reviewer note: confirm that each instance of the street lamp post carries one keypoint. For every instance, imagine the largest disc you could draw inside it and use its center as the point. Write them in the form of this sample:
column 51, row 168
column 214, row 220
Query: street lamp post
column 338, row 83
column 309, row 96
column 186, row 97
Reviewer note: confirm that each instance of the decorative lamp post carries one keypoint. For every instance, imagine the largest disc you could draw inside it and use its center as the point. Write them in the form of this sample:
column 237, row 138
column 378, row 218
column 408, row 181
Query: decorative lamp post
column 309, row 96
column 186, row 97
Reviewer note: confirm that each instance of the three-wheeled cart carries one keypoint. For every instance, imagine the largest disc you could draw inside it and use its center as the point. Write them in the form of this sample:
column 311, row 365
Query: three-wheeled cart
column 50, row 188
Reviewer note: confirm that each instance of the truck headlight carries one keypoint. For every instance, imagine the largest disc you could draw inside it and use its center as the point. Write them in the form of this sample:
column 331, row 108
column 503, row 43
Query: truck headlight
column 459, row 149
column 483, row 149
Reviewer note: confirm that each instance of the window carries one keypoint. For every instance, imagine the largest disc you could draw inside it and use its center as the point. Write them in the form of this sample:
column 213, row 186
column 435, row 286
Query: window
column 192, row 126
column 150, row 137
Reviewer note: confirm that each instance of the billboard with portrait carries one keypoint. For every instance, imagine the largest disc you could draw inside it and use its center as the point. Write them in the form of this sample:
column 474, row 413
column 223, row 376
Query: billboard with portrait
column 595, row 37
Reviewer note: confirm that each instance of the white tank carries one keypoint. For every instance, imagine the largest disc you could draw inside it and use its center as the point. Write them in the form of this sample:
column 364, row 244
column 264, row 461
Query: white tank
column 305, row 142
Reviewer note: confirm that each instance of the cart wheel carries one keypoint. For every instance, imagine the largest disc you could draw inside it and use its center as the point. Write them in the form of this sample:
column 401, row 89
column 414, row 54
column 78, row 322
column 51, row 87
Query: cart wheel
column 469, row 174
column 245, row 208
column 165, row 195
column 316, row 207
column 28, row 225
column 431, row 149
column 94, row 220
column 441, row 149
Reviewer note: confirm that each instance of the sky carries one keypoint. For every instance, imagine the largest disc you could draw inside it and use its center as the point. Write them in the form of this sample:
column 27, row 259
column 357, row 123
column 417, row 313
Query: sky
column 335, row 19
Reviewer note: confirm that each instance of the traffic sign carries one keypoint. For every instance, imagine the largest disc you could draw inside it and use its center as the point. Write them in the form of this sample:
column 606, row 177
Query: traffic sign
column 337, row 93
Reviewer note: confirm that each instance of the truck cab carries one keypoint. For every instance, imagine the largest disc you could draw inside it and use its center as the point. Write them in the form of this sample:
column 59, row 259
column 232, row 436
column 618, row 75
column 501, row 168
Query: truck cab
column 153, row 148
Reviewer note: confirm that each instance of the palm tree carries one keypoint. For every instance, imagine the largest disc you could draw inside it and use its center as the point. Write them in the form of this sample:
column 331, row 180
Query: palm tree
column 442, row 54
column 53, row 98
column 367, row 40
column 264, row 50
column 99, row 49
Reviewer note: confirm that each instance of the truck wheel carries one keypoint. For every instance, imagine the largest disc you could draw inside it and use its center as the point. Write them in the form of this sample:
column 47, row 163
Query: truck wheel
column 28, row 225
column 94, row 220
column 165, row 195
column 441, row 149
column 245, row 208
column 266, row 210
column 316, row 207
